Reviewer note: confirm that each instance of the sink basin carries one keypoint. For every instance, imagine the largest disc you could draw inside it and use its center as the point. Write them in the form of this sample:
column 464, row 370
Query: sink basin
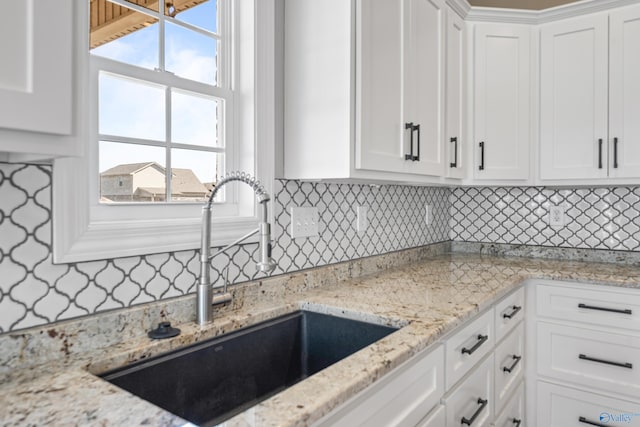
column 209, row 382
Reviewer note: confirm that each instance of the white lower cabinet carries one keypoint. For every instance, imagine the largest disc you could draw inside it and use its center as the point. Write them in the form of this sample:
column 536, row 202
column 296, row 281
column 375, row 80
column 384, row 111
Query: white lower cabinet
column 567, row 407
column 435, row 419
column 513, row 413
column 594, row 359
column 413, row 395
column 508, row 366
column 471, row 402
column 585, row 342
column 468, row 346
column 401, row 398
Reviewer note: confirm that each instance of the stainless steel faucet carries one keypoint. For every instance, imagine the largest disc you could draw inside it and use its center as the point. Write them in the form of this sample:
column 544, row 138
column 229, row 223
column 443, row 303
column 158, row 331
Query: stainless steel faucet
column 206, row 300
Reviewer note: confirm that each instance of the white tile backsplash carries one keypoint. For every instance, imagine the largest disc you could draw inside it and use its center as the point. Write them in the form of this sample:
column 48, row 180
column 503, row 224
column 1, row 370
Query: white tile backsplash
column 33, row 291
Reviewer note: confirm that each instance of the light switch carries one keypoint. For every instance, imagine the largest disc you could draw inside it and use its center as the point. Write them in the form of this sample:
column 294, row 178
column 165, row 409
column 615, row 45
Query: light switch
column 304, row 221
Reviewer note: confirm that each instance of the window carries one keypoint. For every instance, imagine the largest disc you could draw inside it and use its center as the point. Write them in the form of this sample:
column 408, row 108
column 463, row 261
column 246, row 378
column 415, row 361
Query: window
column 87, row 226
column 163, row 95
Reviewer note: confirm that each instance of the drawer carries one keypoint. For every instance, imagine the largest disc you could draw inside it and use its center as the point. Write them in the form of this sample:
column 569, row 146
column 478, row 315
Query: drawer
column 513, row 413
column 472, row 398
column 592, row 358
column 566, row 407
column 468, row 346
column 434, row 419
column 401, row 398
column 601, row 305
column 508, row 313
column 508, row 368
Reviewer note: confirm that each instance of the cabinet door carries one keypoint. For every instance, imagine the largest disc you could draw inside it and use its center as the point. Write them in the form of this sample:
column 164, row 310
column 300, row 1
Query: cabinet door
column 513, row 413
column 402, row 398
column 573, row 103
column 472, row 400
column 566, row 407
column 593, row 359
column 379, row 125
column 423, row 83
column 36, row 72
column 501, row 107
column 509, row 359
column 455, row 96
column 624, row 93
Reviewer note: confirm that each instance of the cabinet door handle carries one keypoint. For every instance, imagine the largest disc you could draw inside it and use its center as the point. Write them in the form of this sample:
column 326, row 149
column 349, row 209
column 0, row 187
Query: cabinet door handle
column 600, row 153
column 591, row 423
column 516, row 309
column 481, row 167
column 481, row 340
column 409, row 126
column 483, row 403
column 615, row 153
column 417, row 128
column 454, row 164
column 606, row 362
column 612, row 310
column 513, row 366
column 517, row 422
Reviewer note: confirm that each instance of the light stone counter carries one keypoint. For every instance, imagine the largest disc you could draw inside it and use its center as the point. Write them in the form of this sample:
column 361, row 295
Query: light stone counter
column 45, row 374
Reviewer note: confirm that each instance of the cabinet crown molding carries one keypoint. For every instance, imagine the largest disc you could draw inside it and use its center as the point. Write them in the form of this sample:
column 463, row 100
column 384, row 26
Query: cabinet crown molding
column 537, row 17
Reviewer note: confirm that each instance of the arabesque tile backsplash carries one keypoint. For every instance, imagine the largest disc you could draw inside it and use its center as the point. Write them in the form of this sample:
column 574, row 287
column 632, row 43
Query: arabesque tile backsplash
column 34, row 291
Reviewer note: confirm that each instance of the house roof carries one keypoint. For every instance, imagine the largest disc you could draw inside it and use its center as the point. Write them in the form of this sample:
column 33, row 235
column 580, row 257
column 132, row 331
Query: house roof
column 184, row 181
column 130, row 168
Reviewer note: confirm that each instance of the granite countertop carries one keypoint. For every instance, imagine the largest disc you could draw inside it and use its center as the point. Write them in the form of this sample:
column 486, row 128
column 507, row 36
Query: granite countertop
column 46, row 376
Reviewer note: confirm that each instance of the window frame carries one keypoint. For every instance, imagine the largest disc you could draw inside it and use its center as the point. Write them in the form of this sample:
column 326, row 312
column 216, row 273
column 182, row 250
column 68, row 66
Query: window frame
column 84, row 230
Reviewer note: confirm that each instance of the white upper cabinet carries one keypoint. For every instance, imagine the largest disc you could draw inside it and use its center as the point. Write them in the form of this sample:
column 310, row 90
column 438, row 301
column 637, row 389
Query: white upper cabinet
column 455, row 96
column 573, row 103
column 502, row 84
column 364, row 96
column 35, row 78
column 624, row 93
column 39, row 81
column 399, row 90
column 590, row 97
column 379, row 82
column 424, row 84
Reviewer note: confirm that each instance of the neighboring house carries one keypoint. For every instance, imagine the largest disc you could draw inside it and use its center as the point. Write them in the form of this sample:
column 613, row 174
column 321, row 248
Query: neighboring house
column 146, row 182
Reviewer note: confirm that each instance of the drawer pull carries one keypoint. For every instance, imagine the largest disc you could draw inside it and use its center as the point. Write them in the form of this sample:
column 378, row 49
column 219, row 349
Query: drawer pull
column 513, row 366
column 481, row 340
column 516, row 309
column 606, row 362
column 482, row 402
column 591, row 423
column 613, row 310
column 517, row 422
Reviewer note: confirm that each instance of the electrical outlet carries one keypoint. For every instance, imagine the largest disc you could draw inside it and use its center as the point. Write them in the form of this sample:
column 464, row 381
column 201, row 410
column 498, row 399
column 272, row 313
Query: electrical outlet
column 556, row 216
column 362, row 222
column 304, row 222
column 428, row 214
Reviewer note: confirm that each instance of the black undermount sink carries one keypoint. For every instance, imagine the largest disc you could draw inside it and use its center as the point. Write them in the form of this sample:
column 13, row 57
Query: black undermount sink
column 209, row 382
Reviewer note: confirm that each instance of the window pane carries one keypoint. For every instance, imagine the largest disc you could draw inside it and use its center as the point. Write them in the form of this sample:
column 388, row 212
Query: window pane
column 191, row 55
column 203, row 15
column 131, row 173
column 131, row 108
column 194, row 119
column 123, row 34
column 194, row 174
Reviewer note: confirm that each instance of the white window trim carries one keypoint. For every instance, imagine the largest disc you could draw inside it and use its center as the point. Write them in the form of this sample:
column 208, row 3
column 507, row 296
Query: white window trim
column 82, row 232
